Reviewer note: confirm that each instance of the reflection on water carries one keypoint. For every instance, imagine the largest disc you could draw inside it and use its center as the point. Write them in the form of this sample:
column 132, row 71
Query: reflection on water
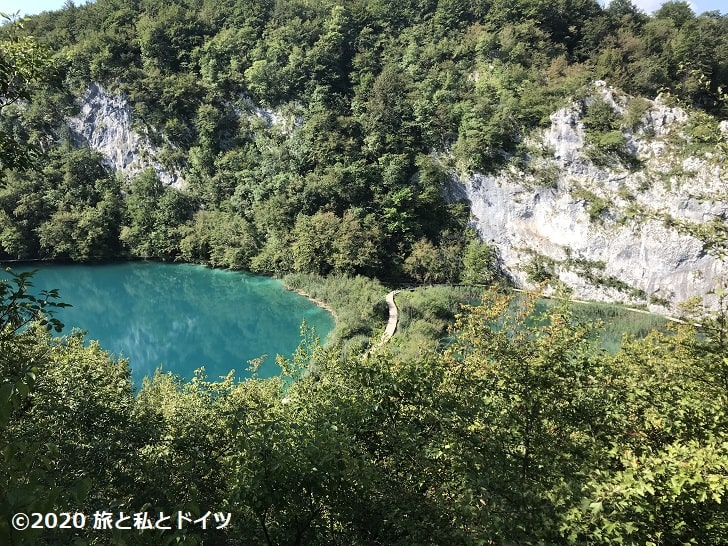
column 182, row 316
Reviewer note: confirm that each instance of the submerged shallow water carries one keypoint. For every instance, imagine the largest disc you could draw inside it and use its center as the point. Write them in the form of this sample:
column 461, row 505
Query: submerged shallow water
column 181, row 316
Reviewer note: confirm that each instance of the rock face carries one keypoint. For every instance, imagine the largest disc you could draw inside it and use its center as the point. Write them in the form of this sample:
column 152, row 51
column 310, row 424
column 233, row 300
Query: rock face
column 105, row 125
column 610, row 233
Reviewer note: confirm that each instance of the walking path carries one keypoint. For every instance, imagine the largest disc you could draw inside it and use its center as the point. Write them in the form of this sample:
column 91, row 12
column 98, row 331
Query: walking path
column 391, row 323
column 393, row 317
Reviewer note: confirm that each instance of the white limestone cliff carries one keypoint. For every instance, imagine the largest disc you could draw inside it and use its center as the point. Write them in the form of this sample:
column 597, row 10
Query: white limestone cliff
column 611, row 234
column 104, row 123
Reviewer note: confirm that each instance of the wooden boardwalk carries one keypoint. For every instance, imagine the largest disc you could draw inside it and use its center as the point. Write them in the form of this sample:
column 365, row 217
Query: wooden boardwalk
column 391, row 323
column 393, row 317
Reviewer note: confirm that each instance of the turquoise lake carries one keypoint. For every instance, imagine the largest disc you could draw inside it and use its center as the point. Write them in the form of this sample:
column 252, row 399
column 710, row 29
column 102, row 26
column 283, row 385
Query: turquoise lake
column 181, row 317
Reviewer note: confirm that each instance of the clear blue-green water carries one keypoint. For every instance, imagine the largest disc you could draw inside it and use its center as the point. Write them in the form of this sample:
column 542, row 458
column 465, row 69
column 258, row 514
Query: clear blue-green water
column 181, row 317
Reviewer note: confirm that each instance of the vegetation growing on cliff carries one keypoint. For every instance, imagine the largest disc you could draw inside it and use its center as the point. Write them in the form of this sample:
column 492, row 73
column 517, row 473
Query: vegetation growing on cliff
column 522, row 431
column 376, row 101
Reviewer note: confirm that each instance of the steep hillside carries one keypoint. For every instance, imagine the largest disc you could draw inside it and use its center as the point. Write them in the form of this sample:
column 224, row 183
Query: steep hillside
column 370, row 137
column 312, row 137
column 104, row 124
column 635, row 213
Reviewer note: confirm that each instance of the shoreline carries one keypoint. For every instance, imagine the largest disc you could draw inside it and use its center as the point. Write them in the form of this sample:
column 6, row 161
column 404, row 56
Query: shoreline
column 318, row 302
column 55, row 261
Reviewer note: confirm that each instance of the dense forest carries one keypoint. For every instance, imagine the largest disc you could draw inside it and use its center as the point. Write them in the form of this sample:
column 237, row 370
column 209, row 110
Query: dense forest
column 521, row 430
column 378, row 102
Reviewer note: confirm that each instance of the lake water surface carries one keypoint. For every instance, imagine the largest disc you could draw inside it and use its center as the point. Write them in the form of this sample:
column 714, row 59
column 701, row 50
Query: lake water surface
column 181, row 316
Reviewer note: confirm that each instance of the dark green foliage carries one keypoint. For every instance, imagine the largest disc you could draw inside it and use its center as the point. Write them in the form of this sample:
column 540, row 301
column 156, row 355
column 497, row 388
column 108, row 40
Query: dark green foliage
column 24, row 63
column 606, row 144
column 357, row 303
column 340, row 173
column 523, row 431
column 540, row 269
column 71, row 209
column 27, row 470
column 600, row 116
column 429, row 264
column 219, row 239
column 480, row 263
column 155, row 214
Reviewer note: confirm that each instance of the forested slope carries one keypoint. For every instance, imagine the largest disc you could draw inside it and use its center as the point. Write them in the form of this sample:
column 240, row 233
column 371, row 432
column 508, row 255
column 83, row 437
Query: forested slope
column 315, row 137
column 318, row 138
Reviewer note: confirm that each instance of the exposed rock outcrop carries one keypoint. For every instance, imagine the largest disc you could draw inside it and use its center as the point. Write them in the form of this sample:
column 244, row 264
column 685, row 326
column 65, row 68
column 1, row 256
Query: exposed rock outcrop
column 610, row 233
column 105, row 125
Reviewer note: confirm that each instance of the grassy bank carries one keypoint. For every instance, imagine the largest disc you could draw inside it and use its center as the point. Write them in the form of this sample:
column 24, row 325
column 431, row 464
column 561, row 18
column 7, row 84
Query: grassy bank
column 356, row 302
column 426, row 313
